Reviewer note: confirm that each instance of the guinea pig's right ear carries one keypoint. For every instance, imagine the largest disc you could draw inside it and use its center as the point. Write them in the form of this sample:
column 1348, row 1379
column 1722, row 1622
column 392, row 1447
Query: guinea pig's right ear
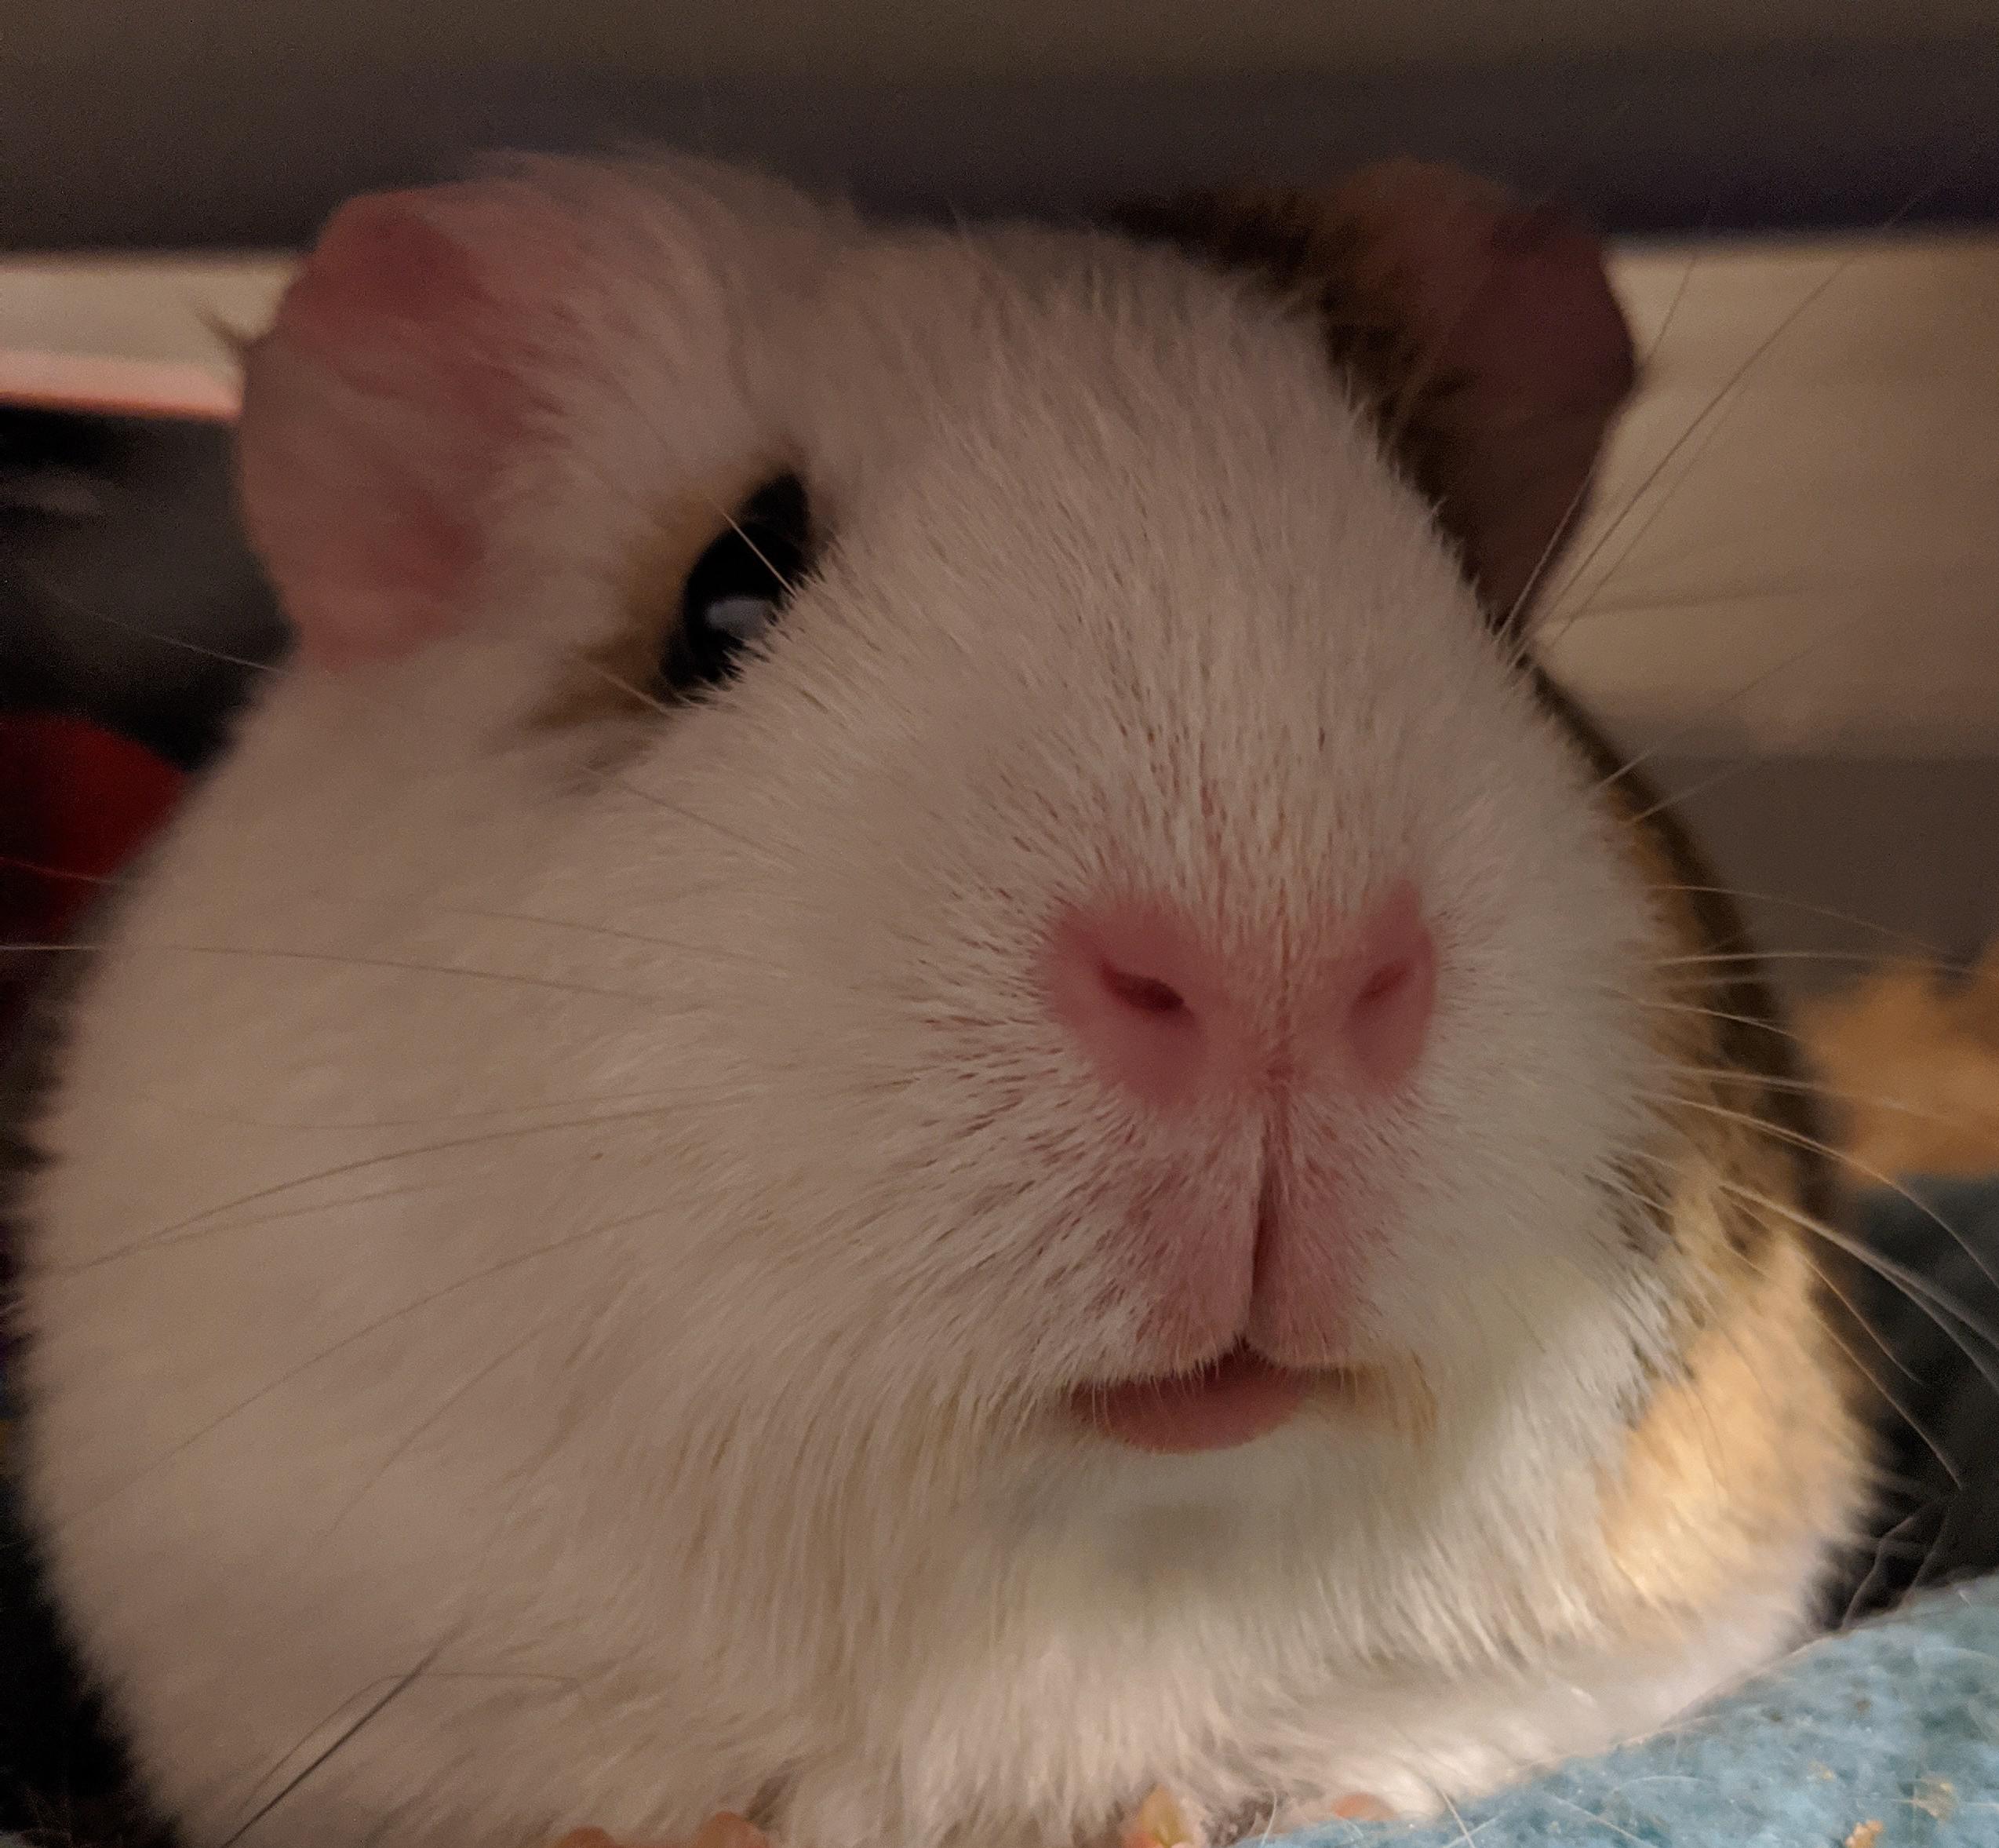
column 1485, row 336
column 395, row 384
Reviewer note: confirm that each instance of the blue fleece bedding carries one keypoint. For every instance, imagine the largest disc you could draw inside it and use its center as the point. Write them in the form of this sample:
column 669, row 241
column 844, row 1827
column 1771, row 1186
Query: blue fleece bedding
column 1896, row 1722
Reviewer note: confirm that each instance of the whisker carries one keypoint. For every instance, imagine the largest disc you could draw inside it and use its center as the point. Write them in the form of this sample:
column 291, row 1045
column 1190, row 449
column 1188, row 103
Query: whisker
column 789, row 586
column 1867, row 1327
column 485, row 1274
column 568, row 1682
column 596, row 930
column 401, row 1685
column 200, row 1224
column 442, row 1411
column 16, row 863
column 1729, row 394
column 1916, row 1287
column 338, row 958
column 1690, row 727
column 761, row 849
column 1937, row 965
column 236, row 1119
column 1744, row 896
column 1660, row 1005
column 1527, row 644
column 1830, row 1093
column 1686, row 795
column 1885, row 1547
column 1798, row 1139
column 1689, row 463
column 630, row 688
column 36, row 585
column 1934, row 1304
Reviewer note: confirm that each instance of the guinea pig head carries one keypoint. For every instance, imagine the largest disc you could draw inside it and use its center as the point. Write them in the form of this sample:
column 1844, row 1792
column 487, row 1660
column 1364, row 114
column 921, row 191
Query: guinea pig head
column 1034, row 725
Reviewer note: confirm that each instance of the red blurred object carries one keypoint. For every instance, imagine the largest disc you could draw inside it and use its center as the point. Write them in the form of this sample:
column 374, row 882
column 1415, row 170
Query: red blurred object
column 76, row 803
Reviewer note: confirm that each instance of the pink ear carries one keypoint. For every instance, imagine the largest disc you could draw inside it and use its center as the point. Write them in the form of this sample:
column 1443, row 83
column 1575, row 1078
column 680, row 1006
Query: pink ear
column 1517, row 324
column 381, row 406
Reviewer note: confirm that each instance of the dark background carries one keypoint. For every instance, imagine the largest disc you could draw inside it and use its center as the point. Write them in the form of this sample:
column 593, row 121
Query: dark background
column 217, row 122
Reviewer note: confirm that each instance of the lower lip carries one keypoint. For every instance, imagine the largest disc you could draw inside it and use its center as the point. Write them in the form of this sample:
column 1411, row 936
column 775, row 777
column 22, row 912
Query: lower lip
column 1230, row 1401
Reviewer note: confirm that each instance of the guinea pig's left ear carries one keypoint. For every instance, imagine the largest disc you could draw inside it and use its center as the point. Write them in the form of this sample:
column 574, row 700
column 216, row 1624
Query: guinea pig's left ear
column 398, row 379
column 1485, row 333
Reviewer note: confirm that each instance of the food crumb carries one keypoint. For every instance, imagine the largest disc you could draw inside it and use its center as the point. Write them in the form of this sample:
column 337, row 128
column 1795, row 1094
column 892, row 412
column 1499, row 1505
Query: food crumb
column 1158, row 1824
column 1865, row 1835
column 1935, row 1797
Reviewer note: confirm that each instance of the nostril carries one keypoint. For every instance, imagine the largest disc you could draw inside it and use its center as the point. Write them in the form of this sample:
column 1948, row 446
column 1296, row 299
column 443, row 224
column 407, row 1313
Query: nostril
column 1386, row 981
column 1144, row 994
column 1389, row 1018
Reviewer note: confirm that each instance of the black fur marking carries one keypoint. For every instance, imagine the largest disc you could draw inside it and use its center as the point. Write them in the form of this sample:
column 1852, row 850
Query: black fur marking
column 65, row 1778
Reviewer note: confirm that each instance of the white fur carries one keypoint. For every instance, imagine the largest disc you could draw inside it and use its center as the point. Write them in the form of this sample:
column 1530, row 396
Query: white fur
column 658, row 1330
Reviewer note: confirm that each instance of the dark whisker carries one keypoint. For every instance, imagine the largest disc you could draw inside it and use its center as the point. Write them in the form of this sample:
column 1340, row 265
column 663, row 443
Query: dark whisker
column 200, row 1224
column 339, row 958
column 485, row 1274
column 442, row 1411
column 1729, row 393
column 401, row 1685
column 1885, row 932
column 567, row 924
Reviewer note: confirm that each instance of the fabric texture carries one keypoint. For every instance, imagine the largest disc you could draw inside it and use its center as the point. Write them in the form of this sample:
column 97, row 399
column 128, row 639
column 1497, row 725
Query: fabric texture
column 1885, row 1737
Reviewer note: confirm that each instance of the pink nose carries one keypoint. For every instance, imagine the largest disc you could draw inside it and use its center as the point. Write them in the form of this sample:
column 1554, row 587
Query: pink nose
column 1165, row 1014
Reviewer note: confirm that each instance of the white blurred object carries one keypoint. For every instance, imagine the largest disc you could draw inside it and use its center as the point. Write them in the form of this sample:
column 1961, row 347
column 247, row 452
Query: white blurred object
column 140, row 334
column 1814, row 568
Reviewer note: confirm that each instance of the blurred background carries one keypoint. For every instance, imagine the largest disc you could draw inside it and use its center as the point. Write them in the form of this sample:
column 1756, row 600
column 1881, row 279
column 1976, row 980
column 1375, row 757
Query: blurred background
column 1786, row 600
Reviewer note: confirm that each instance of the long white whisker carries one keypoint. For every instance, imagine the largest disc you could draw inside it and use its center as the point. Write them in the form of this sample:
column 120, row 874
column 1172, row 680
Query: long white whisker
column 1798, row 1140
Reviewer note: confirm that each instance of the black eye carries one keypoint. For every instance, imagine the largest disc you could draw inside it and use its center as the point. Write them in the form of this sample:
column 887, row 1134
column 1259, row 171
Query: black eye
column 737, row 587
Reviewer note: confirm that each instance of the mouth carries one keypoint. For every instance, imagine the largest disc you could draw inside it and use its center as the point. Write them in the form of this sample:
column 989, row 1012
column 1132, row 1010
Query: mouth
column 1231, row 1401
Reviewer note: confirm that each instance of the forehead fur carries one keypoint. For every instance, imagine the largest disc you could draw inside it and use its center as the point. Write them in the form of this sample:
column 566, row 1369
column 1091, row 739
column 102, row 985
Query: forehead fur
column 1073, row 403
column 1155, row 413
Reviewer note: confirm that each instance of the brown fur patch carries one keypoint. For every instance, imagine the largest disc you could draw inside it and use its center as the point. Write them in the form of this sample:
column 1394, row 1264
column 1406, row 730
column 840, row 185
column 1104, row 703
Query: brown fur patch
column 1314, row 260
column 619, row 678
column 1483, row 337
column 1750, row 1453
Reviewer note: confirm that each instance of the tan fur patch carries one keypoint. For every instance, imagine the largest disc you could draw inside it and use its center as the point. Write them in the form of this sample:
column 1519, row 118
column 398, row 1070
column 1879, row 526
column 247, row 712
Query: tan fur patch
column 1754, row 1445
column 1751, row 1452
column 1911, row 1058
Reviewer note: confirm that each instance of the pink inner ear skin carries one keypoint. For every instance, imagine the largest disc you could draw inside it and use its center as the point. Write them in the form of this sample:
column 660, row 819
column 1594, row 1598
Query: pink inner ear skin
column 380, row 260
column 381, row 407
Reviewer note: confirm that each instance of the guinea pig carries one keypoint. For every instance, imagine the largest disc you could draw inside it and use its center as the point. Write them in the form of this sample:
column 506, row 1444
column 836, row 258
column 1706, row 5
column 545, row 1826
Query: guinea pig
column 913, row 1078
